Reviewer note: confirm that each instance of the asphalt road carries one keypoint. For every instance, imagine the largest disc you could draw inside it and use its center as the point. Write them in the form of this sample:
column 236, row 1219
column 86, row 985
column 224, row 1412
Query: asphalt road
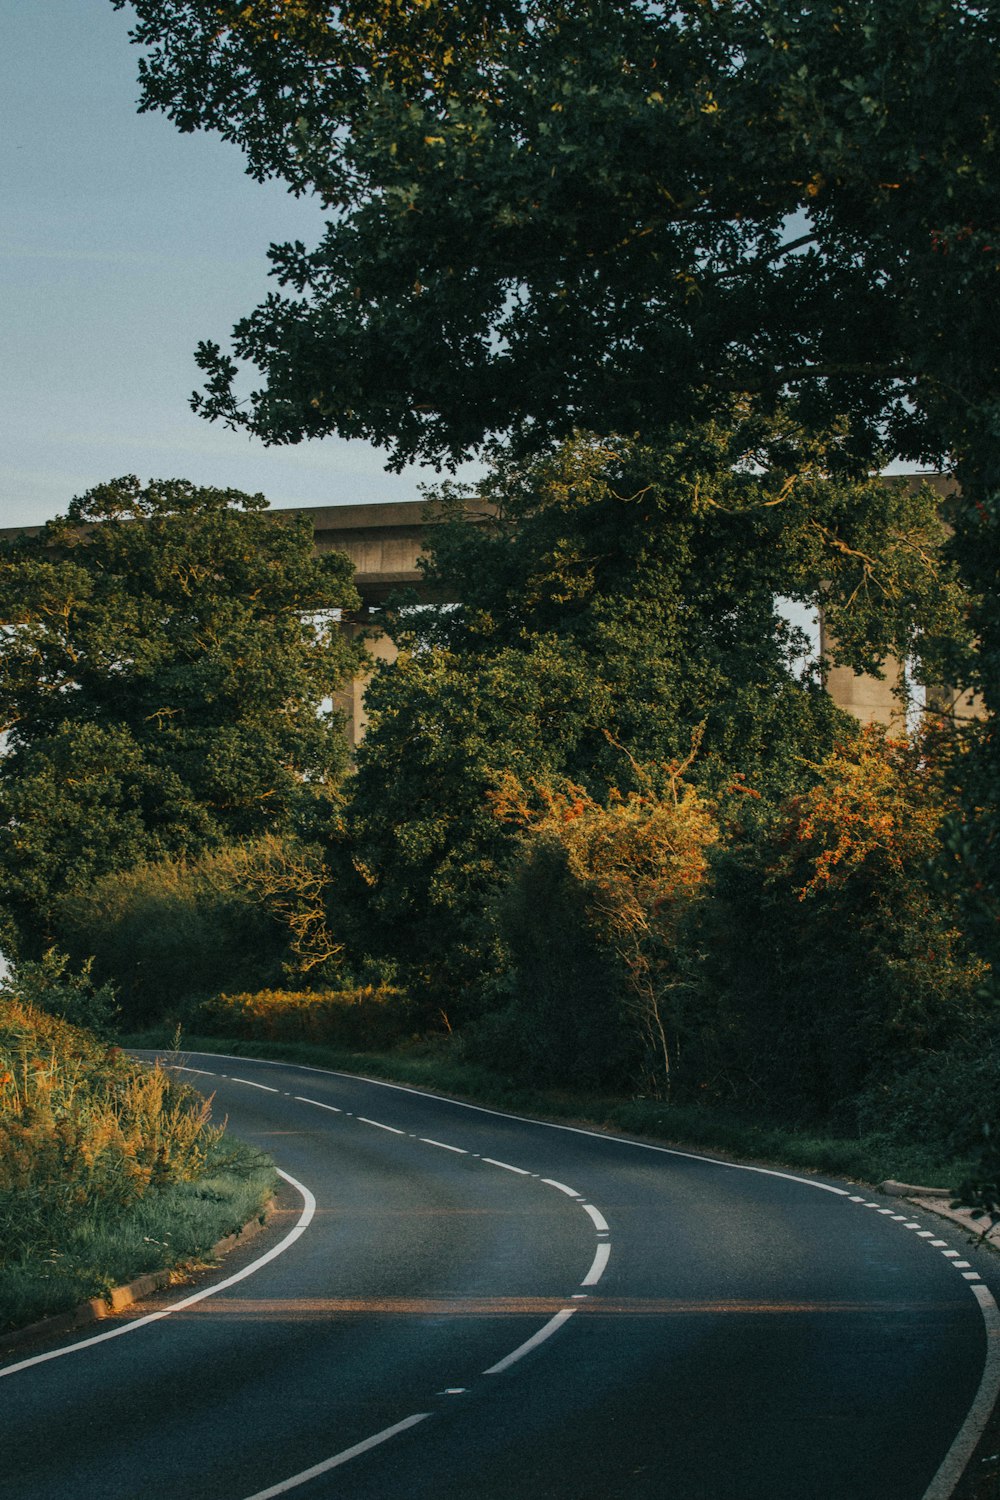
column 453, row 1302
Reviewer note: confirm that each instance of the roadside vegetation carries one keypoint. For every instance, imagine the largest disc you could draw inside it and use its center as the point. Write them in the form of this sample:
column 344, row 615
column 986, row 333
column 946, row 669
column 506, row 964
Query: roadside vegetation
column 107, row 1169
column 688, row 279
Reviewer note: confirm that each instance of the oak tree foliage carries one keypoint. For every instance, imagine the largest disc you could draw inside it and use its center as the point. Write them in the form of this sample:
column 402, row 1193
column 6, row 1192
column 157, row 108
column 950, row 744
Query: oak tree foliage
column 168, row 656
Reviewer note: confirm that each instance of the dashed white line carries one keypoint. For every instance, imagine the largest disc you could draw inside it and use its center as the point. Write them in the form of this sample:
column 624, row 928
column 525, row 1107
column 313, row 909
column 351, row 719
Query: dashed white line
column 340, row 1458
column 301, row 1099
column 443, row 1145
column 599, row 1266
column 379, row 1126
column 570, row 1192
column 251, row 1085
column 546, row 1332
column 600, row 1222
column 506, row 1166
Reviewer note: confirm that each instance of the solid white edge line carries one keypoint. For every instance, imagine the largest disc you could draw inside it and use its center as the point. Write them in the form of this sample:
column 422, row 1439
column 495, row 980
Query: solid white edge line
column 340, row 1458
column 956, row 1460
column 503, row 1114
column 990, row 1383
column 304, row 1220
column 545, row 1332
column 600, row 1265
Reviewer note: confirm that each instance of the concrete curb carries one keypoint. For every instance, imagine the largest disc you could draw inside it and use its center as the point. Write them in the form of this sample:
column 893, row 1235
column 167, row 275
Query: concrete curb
column 119, row 1297
column 938, row 1201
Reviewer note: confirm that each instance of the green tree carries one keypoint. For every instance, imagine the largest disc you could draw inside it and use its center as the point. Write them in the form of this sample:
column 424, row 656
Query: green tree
column 661, row 564
column 617, row 600
column 836, row 974
column 168, row 653
column 616, row 215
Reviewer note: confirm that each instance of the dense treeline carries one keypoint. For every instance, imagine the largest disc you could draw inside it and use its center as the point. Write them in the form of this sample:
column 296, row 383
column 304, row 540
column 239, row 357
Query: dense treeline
column 699, row 273
column 606, row 829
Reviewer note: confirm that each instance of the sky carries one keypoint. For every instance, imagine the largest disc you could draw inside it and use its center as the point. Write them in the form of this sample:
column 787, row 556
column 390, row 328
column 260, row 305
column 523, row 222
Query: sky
column 122, row 244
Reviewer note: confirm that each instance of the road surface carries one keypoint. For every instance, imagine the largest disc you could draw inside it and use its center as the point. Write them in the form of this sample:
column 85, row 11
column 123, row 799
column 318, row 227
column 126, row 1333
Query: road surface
column 455, row 1302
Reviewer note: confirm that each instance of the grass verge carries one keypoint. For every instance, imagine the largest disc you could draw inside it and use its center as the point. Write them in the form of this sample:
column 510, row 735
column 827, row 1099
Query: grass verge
column 433, row 1066
column 171, row 1227
column 107, row 1169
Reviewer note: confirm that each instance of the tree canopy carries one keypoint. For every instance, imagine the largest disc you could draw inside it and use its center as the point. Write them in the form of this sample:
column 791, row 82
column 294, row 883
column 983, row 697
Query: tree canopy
column 168, row 656
column 608, row 214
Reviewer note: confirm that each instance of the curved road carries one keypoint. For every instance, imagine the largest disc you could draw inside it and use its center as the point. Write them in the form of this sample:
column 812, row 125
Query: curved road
column 454, row 1302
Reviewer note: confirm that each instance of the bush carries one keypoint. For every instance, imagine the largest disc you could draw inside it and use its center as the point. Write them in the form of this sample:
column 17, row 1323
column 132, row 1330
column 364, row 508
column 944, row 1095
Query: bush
column 175, row 932
column 75, row 998
column 365, row 1018
column 832, row 964
column 557, row 1016
column 593, row 919
column 85, row 1132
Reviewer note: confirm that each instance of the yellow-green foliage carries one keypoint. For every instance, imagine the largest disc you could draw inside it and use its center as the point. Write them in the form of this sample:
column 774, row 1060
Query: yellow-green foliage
column 84, row 1131
column 364, row 1017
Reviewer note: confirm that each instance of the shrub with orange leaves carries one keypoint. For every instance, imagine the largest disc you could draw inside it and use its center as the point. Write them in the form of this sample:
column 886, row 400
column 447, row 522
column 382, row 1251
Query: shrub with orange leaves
column 834, row 952
column 637, row 862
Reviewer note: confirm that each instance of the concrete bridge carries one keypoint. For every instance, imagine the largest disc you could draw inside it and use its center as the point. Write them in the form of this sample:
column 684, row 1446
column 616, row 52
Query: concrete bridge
column 386, row 541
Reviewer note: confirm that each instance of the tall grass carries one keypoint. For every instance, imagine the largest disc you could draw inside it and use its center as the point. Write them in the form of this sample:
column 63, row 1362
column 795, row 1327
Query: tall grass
column 107, row 1169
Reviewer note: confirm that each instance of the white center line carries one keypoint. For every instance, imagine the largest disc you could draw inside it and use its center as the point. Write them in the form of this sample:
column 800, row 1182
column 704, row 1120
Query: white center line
column 340, row 1458
column 379, row 1126
column 600, row 1221
column 546, row 1332
column 570, row 1192
column 506, row 1166
column 600, row 1265
column 250, row 1084
column 443, row 1145
column 319, row 1105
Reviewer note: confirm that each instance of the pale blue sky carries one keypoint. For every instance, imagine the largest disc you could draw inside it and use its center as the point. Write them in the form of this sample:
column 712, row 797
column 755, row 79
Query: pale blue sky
column 122, row 244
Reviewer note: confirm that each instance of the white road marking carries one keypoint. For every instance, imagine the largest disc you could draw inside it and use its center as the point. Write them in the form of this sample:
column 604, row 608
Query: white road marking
column 570, row 1192
column 546, row 1332
column 600, row 1265
column 911, row 1226
column 331, row 1107
column 971, row 1275
column 937, row 1244
column 379, row 1126
column 443, row 1145
column 951, row 1254
column 600, row 1222
column 506, row 1166
column 594, row 1135
column 960, row 1265
column 302, row 1224
column 956, row 1460
column 340, row 1458
column 856, row 1198
column 250, row 1084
